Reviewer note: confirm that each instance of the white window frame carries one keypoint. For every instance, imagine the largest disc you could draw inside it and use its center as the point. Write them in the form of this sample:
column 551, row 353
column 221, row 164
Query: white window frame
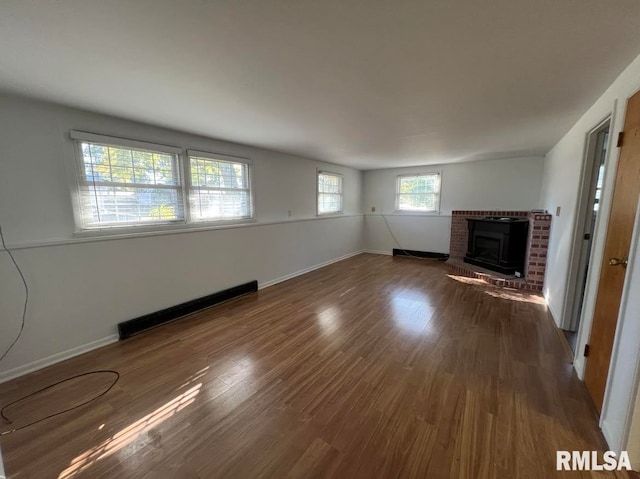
column 318, row 192
column 80, row 137
column 438, row 194
column 225, row 158
column 183, row 170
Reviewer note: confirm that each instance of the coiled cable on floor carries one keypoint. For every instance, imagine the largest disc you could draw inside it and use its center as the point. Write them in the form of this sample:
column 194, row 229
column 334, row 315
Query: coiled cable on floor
column 5, row 407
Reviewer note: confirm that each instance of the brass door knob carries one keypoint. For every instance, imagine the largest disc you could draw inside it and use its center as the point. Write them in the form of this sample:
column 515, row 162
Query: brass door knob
column 618, row 262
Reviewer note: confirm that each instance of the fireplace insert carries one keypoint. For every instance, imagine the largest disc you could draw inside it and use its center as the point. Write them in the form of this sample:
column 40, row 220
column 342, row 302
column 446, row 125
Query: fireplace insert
column 498, row 244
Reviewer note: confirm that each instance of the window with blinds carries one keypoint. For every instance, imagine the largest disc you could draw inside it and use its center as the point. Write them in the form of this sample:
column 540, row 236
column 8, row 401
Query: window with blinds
column 127, row 186
column 420, row 193
column 124, row 183
column 330, row 194
column 220, row 187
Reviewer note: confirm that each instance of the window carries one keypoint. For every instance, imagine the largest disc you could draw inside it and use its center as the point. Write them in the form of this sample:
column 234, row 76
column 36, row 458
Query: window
column 219, row 187
column 118, row 185
column 418, row 193
column 124, row 183
column 329, row 193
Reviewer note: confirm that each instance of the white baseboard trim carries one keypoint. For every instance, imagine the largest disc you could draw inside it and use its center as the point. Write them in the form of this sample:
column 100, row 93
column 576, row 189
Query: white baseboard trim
column 56, row 358
column 554, row 315
column 578, row 365
column 608, row 437
column 378, row 251
column 266, row 284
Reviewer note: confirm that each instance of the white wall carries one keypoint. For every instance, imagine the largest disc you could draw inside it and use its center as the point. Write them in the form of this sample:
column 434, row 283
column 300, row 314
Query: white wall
column 81, row 289
column 560, row 187
column 505, row 184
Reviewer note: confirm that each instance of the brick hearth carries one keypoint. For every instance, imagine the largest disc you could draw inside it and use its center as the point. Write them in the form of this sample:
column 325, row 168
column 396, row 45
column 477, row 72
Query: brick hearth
column 536, row 257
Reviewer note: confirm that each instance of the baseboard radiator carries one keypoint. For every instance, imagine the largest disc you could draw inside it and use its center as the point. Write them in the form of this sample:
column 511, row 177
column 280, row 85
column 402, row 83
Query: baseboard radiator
column 420, row 254
column 134, row 326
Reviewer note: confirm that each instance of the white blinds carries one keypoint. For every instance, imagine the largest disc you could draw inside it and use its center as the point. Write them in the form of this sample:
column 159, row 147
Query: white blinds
column 124, row 182
column 122, row 186
column 419, row 192
column 219, row 188
column 329, row 193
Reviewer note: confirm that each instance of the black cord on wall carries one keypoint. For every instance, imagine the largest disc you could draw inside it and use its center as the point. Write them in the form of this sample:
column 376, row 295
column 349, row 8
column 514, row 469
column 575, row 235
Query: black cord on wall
column 406, row 252
column 17, row 338
column 26, row 296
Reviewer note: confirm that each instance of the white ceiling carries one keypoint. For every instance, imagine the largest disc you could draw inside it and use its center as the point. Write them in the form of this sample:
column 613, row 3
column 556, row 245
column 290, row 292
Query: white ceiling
column 369, row 84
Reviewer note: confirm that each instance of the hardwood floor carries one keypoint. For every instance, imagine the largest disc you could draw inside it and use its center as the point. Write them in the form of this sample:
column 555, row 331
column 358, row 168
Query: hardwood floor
column 371, row 367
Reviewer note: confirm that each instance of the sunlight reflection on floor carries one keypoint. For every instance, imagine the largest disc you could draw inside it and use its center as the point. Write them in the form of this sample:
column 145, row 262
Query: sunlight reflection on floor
column 127, row 435
column 194, row 377
column 411, row 310
column 515, row 295
column 502, row 293
column 467, row 280
column 329, row 320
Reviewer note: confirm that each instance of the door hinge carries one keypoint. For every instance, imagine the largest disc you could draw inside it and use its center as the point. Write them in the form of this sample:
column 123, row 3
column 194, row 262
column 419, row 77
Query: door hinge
column 587, row 236
column 586, row 350
column 620, row 139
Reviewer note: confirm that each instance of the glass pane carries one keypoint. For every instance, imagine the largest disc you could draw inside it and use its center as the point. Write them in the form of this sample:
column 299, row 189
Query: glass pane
column 215, row 204
column 136, row 196
column 329, row 203
column 418, row 193
column 218, row 174
column 329, row 183
column 109, row 205
column 418, row 202
column 104, row 163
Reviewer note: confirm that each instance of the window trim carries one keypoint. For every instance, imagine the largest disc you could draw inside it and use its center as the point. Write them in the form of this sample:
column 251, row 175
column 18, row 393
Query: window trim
column 80, row 136
column 331, row 213
column 183, row 170
column 436, row 211
column 188, row 186
column 80, row 228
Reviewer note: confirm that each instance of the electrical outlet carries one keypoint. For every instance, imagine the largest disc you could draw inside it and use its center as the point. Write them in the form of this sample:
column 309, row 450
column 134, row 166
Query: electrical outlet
column 373, row 209
column 557, row 211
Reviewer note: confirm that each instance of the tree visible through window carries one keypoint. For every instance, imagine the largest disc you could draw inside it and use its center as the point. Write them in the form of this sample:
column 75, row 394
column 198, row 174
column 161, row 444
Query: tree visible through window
column 219, row 189
column 133, row 183
column 123, row 186
column 329, row 193
column 419, row 192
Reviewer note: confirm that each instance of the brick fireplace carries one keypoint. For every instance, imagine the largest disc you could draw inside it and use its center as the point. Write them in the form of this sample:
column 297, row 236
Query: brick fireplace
column 536, row 253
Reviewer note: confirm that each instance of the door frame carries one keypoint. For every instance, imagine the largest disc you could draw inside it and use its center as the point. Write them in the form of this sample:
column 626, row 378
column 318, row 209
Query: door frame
column 616, row 116
column 577, row 243
column 614, row 422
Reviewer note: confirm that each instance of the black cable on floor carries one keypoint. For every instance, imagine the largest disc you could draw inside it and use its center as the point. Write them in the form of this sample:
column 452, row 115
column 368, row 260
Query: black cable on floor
column 2, row 414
